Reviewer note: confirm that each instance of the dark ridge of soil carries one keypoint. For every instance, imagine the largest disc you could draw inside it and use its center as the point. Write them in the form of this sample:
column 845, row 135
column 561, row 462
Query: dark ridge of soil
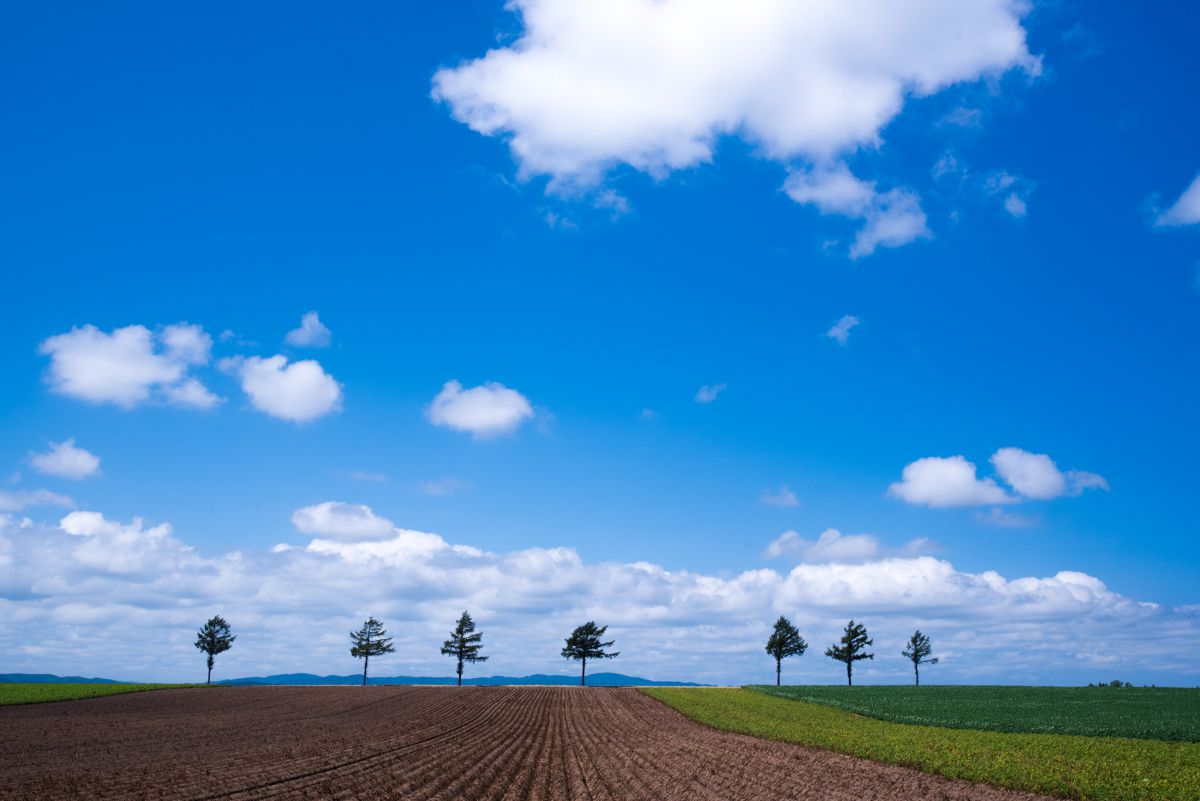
column 421, row 744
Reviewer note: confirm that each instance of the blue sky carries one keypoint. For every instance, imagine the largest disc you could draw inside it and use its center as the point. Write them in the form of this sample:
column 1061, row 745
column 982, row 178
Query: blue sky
column 1007, row 223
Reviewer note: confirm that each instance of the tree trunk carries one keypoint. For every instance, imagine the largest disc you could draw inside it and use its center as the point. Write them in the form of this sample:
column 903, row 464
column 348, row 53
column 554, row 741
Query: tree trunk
column 583, row 674
column 460, row 671
column 209, row 681
column 849, row 673
column 917, row 672
column 777, row 661
column 366, row 659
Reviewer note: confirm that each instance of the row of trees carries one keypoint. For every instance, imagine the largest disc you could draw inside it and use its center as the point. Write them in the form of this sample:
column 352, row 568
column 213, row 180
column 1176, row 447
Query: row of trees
column 786, row 641
column 464, row 645
column 586, row 642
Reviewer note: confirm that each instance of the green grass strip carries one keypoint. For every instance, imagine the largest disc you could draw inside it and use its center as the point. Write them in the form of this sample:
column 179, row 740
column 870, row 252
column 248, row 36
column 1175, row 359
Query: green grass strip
column 45, row 693
column 1087, row 768
column 1149, row 713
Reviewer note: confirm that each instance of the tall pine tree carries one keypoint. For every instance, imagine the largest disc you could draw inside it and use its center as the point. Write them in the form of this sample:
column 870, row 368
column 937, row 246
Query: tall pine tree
column 850, row 648
column 464, row 644
column 920, row 652
column 584, row 644
column 215, row 637
column 785, row 641
column 370, row 641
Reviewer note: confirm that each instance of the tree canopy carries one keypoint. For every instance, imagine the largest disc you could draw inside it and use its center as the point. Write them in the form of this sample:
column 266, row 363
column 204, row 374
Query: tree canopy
column 464, row 644
column 785, row 641
column 920, row 652
column 585, row 643
column 369, row 641
column 215, row 637
column 850, row 648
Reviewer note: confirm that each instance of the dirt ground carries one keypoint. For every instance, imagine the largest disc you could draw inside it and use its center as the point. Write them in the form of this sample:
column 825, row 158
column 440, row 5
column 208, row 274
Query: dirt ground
column 365, row 743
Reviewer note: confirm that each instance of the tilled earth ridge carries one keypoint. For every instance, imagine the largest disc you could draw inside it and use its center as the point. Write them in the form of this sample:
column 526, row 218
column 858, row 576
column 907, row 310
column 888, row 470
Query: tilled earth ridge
column 420, row 744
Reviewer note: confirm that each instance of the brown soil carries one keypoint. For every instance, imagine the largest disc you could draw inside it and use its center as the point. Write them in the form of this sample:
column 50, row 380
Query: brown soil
column 419, row 744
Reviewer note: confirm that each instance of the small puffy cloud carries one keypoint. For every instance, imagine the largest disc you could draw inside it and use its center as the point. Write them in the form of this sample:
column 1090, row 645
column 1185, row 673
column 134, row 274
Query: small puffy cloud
column 1033, row 475
column 1013, row 189
column 841, row 329
column 312, row 333
column 890, row 219
column 130, row 366
column 300, row 391
column 952, row 481
column 342, row 521
column 191, row 394
column 783, row 498
column 488, row 410
column 709, row 392
column 946, row 481
column 1185, row 210
column 65, row 460
column 1037, row 477
column 19, row 500
column 830, row 546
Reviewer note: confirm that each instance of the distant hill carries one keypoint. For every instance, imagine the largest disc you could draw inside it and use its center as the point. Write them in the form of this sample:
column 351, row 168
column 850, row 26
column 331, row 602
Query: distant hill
column 47, row 678
column 594, row 680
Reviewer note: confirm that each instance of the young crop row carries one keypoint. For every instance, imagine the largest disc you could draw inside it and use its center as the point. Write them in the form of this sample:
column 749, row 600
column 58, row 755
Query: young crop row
column 1092, row 768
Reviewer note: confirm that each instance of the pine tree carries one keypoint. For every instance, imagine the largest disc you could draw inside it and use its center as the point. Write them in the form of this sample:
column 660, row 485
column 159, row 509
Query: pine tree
column 214, row 638
column 785, row 641
column 850, row 649
column 370, row 641
column 464, row 644
column 584, row 644
column 918, row 651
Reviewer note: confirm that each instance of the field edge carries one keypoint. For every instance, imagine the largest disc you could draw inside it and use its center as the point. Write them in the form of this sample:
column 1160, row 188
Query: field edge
column 1064, row 766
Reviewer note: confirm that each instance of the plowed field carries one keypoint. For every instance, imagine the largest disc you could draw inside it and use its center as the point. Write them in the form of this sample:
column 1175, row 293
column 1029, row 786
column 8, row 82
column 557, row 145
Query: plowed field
column 416, row 743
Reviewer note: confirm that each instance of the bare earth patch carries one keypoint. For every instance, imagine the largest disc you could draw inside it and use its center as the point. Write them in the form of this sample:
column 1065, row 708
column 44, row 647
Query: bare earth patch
column 511, row 743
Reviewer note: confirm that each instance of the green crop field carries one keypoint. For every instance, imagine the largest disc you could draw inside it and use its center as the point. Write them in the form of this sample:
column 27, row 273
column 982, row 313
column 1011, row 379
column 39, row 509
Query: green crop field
column 44, row 693
column 1068, row 766
column 1162, row 713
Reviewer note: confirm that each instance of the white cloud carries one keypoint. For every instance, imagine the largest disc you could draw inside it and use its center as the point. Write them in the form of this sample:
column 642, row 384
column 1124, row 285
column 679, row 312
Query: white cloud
column 1033, row 475
column 1185, row 210
column 951, row 481
column 18, row 500
column 891, row 219
column 1015, row 205
column 369, row 476
column 655, row 84
column 191, row 394
column 130, row 366
column 342, row 521
column 1037, row 477
column 784, row 498
column 300, row 391
column 65, row 460
column 487, row 410
column 841, row 329
column 709, row 392
column 830, row 546
column 80, row 587
column 312, row 333
column 946, row 481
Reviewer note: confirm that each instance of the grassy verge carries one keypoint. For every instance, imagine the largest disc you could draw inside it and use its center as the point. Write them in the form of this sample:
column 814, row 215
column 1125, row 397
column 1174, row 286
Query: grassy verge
column 1089, row 768
column 44, row 693
column 1155, row 713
